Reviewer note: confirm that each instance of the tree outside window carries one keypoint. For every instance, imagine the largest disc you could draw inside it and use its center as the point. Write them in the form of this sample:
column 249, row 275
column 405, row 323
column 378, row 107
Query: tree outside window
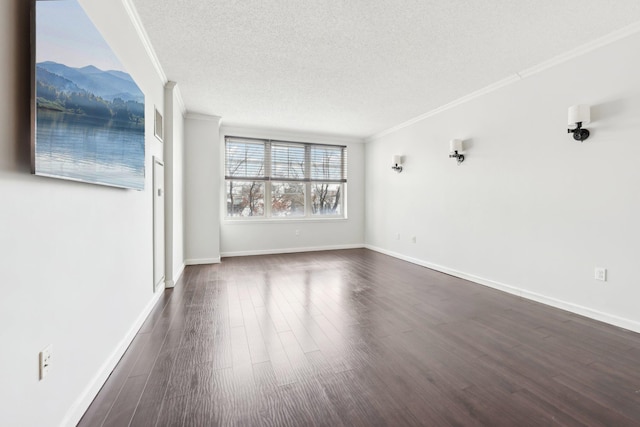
column 282, row 179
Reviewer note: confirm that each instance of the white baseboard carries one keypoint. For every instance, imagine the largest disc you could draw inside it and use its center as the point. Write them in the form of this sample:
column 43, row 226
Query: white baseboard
column 553, row 302
column 80, row 406
column 160, row 284
column 177, row 276
column 291, row 250
column 199, row 261
column 168, row 284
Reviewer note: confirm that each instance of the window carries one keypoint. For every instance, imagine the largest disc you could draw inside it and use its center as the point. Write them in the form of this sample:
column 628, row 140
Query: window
column 280, row 179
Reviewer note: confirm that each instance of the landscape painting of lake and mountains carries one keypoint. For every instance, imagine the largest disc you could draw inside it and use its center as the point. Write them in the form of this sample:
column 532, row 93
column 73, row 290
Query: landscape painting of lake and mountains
column 89, row 112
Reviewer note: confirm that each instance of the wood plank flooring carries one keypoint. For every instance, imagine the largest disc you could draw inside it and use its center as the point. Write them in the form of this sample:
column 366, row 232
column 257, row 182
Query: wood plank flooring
column 356, row 338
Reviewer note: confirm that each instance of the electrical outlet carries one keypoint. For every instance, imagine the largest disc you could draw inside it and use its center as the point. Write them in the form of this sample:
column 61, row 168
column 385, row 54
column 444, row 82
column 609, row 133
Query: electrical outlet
column 601, row 274
column 297, row 232
column 414, row 239
column 397, row 236
column 45, row 362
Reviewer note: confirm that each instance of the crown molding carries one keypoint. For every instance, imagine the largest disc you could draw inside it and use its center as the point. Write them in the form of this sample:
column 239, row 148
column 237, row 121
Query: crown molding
column 459, row 101
column 620, row 34
column 201, row 116
column 144, row 38
column 180, row 99
column 557, row 60
column 175, row 89
column 285, row 134
column 148, row 47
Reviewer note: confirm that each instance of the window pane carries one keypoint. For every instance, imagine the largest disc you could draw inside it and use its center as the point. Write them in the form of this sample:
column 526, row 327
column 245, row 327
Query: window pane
column 287, row 161
column 278, row 178
column 326, row 198
column 287, row 199
column 245, row 198
column 327, row 163
column 245, row 159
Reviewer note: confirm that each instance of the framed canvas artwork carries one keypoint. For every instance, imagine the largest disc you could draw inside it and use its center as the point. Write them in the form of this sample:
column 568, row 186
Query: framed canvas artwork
column 88, row 114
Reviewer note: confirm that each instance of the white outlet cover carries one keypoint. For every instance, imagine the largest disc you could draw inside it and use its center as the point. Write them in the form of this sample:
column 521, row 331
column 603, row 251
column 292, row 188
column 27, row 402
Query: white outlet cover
column 601, row 274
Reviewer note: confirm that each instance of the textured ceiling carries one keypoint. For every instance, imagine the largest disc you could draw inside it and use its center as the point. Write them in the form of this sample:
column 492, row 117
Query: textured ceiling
column 358, row 67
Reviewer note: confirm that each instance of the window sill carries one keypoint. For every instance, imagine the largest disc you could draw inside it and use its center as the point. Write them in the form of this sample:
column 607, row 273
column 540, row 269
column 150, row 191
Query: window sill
column 244, row 221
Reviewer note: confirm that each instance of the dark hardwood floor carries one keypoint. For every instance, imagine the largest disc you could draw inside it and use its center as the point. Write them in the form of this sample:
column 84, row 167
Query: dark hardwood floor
column 356, row 338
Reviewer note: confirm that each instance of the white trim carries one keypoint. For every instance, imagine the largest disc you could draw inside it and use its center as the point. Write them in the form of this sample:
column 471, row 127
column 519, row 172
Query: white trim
column 292, row 250
column 459, row 101
column 81, row 404
column 144, row 38
column 180, row 100
column 614, row 36
column 533, row 296
column 177, row 276
column 168, row 284
column 280, row 220
column 201, row 116
column 286, row 135
column 175, row 89
column 557, row 60
column 199, row 261
column 160, row 282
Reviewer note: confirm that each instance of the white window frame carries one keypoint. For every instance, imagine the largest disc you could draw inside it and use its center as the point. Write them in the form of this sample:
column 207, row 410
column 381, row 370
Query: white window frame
column 308, row 183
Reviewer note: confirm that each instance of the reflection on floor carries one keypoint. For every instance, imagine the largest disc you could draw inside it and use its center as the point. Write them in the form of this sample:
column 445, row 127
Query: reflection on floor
column 354, row 337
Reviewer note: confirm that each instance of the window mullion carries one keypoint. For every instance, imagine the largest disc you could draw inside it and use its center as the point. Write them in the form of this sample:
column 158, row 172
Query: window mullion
column 343, row 164
column 267, row 199
column 267, row 185
column 307, row 184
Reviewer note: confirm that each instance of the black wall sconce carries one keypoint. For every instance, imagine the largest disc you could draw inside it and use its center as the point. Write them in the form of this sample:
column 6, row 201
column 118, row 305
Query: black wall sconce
column 455, row 146
column 397, row 163
column 579, row 115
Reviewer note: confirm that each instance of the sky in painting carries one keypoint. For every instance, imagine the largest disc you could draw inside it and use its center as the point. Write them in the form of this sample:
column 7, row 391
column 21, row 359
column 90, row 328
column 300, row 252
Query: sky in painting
column 65, row 34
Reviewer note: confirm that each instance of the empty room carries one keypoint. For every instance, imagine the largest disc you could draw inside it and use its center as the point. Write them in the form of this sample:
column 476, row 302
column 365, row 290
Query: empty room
column 336, row 213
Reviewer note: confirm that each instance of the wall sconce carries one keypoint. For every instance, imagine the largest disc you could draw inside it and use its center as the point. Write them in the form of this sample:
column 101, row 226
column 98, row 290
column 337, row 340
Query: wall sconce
column 579, row 115
column 455, row 145
column 397, row 163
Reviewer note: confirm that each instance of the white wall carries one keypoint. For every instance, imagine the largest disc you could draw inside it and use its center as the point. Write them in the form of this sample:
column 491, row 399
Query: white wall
column 178, row 193
column 259, row 237
column 174, row 183
column 201, row 182
column 530, row 210
column 76, row 259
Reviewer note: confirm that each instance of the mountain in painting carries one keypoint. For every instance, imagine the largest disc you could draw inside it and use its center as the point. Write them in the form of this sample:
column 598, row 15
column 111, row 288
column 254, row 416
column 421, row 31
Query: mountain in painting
column 88, row 91
column 108, row 85
column 59, row 82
